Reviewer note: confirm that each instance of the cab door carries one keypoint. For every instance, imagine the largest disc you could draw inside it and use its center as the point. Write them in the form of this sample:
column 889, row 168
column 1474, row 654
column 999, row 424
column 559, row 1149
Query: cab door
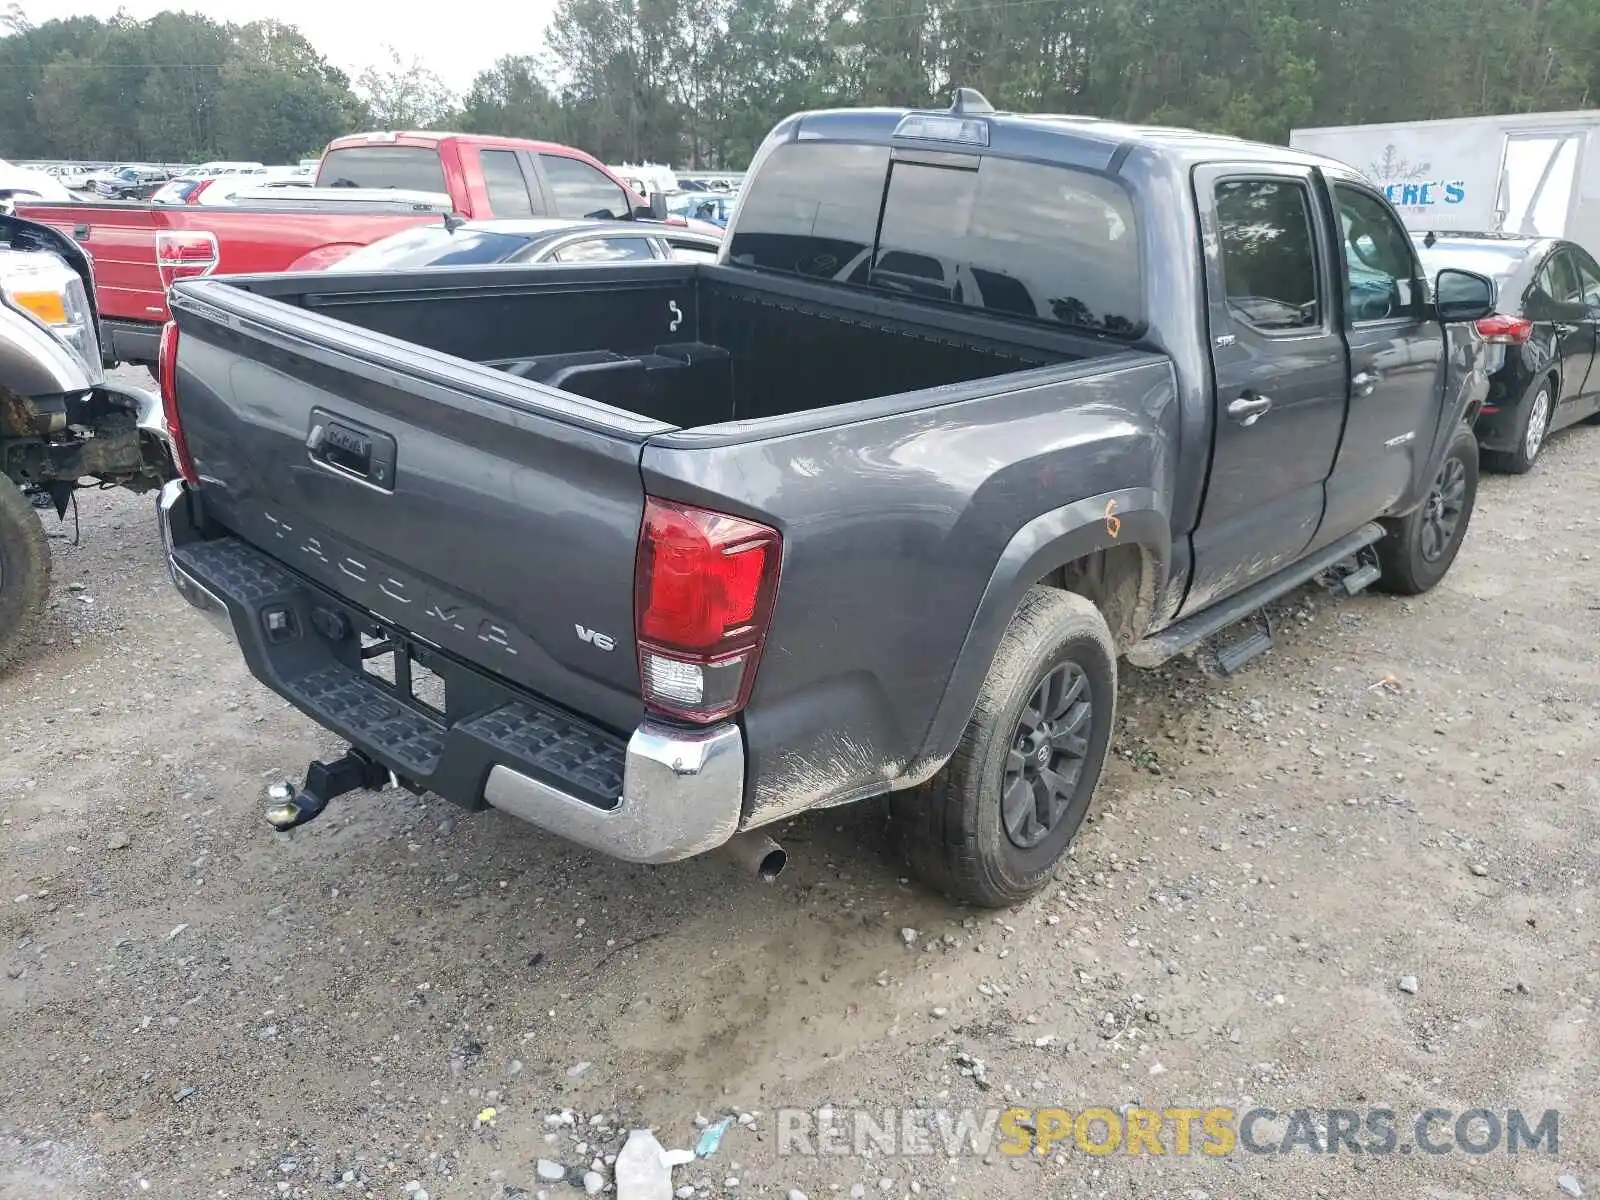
column 1397, row 360
column 1280, row 369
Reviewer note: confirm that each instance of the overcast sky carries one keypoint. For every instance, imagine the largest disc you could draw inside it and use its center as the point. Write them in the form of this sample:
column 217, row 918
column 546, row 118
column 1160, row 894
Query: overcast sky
column 456, row 40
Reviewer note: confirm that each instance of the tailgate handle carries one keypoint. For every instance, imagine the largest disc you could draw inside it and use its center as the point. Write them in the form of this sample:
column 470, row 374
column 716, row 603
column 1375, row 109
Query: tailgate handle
column 351, row 449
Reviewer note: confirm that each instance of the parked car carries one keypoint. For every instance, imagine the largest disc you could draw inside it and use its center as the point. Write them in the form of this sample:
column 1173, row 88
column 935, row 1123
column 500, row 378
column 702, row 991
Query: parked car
column 542, row 239
column 220, row 187
column 1544, row 333
column 185, row 189
column 874, row 504
column 19, row 184
column 380, row 183
column 712, row 208
column 132, row 183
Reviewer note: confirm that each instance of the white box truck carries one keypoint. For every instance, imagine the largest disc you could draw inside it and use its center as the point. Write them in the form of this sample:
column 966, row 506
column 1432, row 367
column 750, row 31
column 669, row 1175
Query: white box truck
column 1533, row 173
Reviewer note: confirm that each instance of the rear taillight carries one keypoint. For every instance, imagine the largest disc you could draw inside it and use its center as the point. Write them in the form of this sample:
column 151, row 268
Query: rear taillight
column 167, row 374
column 1504, row 330
column 184, row 254
column 704, row 587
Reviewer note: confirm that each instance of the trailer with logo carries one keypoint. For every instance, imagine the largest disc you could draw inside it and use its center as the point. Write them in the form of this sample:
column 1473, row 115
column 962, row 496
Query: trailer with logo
column 1524, row 173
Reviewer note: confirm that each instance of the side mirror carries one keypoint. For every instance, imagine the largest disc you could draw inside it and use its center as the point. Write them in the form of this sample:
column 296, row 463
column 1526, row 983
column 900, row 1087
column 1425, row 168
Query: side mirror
column 1463, row 295
column 655, row 210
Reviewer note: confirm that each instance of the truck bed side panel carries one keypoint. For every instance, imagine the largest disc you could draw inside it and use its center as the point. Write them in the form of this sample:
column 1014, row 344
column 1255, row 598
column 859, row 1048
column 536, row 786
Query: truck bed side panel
column 893, row 528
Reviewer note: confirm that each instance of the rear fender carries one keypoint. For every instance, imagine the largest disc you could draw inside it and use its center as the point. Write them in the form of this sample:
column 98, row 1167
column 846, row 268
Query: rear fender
column 1135, row 517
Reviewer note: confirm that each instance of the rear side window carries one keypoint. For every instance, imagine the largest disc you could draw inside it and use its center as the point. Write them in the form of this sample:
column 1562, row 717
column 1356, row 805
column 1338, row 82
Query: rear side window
column 506, row 185
column 1559, row 279
column 606, row 250
column 579, row 190
column 1269, row 265
column 1047, row 243
column 407, row 168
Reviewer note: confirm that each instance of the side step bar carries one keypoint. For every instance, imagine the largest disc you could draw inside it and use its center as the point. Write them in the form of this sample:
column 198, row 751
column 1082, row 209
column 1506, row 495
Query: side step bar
column 1191, row 631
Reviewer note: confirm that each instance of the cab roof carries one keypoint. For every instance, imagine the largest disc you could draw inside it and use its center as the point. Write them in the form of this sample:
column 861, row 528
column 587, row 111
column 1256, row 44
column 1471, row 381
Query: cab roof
column 1095, row 143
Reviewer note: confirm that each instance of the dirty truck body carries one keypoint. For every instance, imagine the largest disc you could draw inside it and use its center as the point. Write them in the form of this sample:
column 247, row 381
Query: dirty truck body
column 967, row 410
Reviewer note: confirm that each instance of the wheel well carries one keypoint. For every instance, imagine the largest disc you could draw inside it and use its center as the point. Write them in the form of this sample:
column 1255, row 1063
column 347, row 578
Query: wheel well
column 1119, row 582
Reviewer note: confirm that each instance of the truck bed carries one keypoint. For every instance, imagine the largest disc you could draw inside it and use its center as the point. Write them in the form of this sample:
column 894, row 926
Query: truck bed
column 686, row 345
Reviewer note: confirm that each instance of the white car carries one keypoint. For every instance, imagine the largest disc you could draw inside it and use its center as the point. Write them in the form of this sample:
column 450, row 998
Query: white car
column 32, row 185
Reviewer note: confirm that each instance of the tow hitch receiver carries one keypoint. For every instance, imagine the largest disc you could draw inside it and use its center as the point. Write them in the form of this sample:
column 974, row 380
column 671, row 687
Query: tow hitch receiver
column 292, row 807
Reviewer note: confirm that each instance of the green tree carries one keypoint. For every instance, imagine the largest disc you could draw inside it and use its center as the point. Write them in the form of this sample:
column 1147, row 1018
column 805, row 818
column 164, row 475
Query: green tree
column 405, row 95
column 512, row 99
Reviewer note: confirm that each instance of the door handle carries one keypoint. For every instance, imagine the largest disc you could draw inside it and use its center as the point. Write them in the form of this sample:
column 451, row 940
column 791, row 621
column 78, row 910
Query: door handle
column 1364, row 383
column 1565, row 330
column 1247, row 409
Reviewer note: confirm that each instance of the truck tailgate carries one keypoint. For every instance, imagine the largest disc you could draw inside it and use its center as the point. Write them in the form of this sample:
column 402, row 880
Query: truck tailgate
column 344, row 454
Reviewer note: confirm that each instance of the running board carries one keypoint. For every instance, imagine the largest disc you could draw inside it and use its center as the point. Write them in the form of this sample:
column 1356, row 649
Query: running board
column 1191, row 631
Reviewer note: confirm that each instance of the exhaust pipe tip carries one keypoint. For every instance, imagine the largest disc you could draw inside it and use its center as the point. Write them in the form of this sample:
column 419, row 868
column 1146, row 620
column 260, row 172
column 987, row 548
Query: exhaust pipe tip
column 756, row 853
column 772, row 863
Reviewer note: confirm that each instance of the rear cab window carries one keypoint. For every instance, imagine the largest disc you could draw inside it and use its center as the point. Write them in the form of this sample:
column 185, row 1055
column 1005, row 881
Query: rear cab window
column 1044, row 242
column 404, row 168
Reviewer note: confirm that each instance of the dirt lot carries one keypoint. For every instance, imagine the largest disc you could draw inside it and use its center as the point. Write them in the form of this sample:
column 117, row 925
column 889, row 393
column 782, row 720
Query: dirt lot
column 193, row 1006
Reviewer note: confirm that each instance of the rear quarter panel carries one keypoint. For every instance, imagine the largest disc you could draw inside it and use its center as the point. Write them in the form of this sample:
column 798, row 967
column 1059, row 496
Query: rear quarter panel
column 897, row 528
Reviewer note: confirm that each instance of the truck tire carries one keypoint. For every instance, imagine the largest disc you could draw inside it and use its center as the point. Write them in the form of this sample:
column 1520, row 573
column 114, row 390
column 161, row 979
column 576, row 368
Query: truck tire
column 1532, row 428
column 24, row 570
column 991, row 826
column 1420, row 546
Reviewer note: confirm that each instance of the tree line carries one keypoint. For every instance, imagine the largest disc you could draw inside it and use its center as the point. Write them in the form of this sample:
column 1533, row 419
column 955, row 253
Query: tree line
column 698, row 82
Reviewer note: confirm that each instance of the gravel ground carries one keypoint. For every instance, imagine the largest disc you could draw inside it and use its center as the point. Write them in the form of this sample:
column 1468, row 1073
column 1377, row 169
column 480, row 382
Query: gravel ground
column 1361, row 873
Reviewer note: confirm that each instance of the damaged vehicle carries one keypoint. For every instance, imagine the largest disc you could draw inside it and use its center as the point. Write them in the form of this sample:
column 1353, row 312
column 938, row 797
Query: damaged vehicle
column 972, row 407
column 62, row 425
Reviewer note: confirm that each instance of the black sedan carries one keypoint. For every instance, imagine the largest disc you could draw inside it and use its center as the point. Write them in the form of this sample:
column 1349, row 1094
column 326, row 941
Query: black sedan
column 459, row 243
column 1544, row 337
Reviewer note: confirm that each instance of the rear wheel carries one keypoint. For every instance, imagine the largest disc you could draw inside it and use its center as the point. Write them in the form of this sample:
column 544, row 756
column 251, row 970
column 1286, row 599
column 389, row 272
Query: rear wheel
column 1420, row 546
column 1531, row 432
column 990, row 828
column 24, row 570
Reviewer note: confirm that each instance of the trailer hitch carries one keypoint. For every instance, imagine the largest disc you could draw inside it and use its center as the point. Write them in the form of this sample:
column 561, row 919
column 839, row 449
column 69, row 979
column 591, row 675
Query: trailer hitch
column 292, row 807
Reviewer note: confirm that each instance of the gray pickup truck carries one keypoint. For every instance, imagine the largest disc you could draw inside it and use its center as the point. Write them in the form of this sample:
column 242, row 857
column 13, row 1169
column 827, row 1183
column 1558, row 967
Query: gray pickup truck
column 972, row 405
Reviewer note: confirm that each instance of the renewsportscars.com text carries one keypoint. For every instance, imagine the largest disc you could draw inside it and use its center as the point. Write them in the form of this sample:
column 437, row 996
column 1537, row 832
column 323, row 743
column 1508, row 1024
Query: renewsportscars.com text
column 1213, row 1131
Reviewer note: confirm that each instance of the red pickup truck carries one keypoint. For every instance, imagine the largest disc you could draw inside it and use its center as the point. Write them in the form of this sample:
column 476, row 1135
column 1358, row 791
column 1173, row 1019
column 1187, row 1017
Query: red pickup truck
column 140, row 249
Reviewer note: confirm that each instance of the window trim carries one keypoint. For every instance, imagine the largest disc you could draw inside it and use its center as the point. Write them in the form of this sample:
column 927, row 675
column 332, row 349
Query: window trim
column 1419, row 281
column 1324, row 326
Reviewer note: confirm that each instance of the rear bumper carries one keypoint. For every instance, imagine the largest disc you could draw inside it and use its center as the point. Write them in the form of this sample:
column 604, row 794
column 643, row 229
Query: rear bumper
column 663, row 794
